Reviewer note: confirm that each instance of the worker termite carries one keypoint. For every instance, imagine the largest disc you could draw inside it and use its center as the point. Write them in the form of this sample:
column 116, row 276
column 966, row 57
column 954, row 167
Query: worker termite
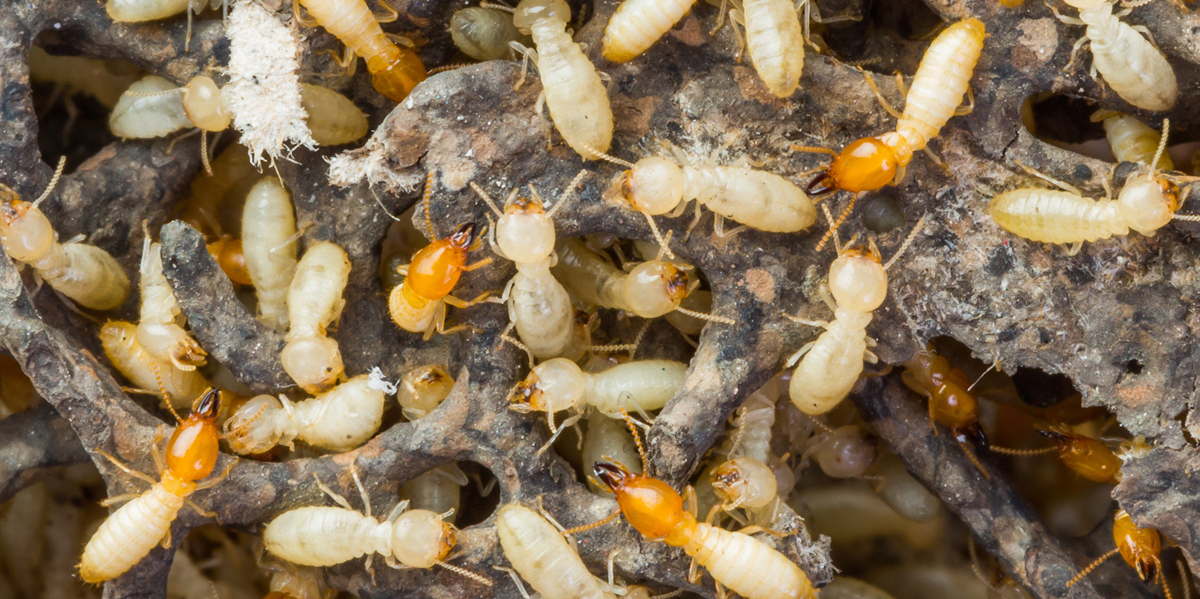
column 775, row 41
column 269, row 247
column 125, row 352
column 735, row 560
column 755, row 198
column 84, row 273
column 942, row 79
column 830, row 365
column 1131, row 65
column 202, row 208
column 483, row 33
column 1138, row 546
column 845, row 452
column 159, row 329
column 104, row 80
column 290, row 581
column 1131, row 140
column 137, row 11
column 1086, row 456
column 637, row 24
column 538, row 305
column 395, row 70
column 571, row 86
column 422, row 390
column 325, row 536
column 540, row 554
column 651, row 289
column 333, row 119
column 419, row 303
column 314, row 302
column 438, row 490
column 134, row 529
column 1146, row 203
column 340, row 419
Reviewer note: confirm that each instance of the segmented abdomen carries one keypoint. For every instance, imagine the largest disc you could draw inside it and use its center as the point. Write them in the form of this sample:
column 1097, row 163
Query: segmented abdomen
column 320, row 536
column 1131, row 65
column 540, row 555
column 829, row 370
column 759, row 199
column 637, row 24
column 541, row 309
column 576, row 97
column 133, row 11
column 86, row 274
column 128, row 535
column 748, row 567
column 941, row 80
column 394, row 70
column 410, row 311
column 776, row 43
column 648, row 384
column 1056, row 216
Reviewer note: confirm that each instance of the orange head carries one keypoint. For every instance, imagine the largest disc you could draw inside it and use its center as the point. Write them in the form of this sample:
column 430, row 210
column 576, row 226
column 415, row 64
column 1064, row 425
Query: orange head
column 1139, row 546
column 861, row 166
column 192, row 450
column 650, row 505
column 1088, row 457
column 228, row 254
column 435, row 269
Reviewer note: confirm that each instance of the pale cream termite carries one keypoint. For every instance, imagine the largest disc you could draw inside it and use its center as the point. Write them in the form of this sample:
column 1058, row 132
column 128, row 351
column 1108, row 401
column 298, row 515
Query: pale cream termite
column 540, row 554
column 138, row 11
column 1146, row 203
column 538, row 305
column 571, row 86
column 483, row 33
column 1131, row 65
column 160, row 323
column 84, row 273
column 845, row 452
column 340, row 419
column 830, row 365
column 269, row 245
column 1131, row 140
column 333, row 119
column 424, row 389
column 608, row 438
column 119, row 339
column 104, row 80
column 290, row 581
column 775, row 41
column 903, row 493
column 438, row 490
column 314, row 301
column 637, row 24
column 326, row 536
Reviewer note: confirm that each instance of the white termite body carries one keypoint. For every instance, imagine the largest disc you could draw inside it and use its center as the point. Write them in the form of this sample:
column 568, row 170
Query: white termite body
column 775, row 42
column 120, row 343
column 438, row 490
column 269, row 245
column 105, row 80
column 160, row 321
column 422, row 390
column 1132, row 140
column 541, row 555
column 129, row 534
column 340, row 419
column 141, row 117
column 483, row 33
column 650, row 290
column 637, row 24
column 559, row 384
column 1131, row 65
column 136, row 11
column 314, row 301
column 746, row 565
column 333, row 119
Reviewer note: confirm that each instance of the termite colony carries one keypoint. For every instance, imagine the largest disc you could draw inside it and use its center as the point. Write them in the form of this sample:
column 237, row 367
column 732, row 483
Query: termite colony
column 766, row 298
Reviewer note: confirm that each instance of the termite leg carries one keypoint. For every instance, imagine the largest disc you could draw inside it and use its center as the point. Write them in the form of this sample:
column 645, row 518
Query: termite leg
column 749, row 530
column 459, row 303
column 199, row 510
column 1060, row 184
column 115, row 499
column 736, row 18
column 719, row 227
column 528, row 54
column 338, row 499
column 962, row 110
column 166, row 542
column 361, row 491
column 805, row 321
column 1074, row 248
column 159, row 464
column 348, row 61
column 300, row 18
column 1083, row 41
column 126, row 469
column 516, row 580
column 799, row 354
column 396, row 511
column 212, row 481
column 879, row 95
column 390, row 13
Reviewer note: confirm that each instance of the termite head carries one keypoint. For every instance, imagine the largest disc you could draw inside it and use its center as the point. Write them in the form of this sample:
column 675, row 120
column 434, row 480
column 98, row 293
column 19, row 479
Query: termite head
column 655, row 288
column 315, row 363
column 746, row 481
column 192, row 450
column 653, row 186
column 525, row 234
column 252, row 429
column 531, row 11
column 857, row 280
column 24, row 230
column 650, row 505
column 846, row 452
column 1147, row 202
column 204, row 105
column 552, row 386
column 425, row 387
column 464, row 236
column 1086, row 456
column 1138, row 546
column 435, row 270
column 861, row 166
column 420, row 538
column 232, row 260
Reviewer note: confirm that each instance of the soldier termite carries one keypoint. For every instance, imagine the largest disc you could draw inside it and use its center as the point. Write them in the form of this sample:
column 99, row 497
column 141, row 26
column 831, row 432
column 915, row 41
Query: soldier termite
column 269, row 248
column 159, row 329
column 395, row 70
column 1131, row 140
column 326, row 536
column 130, row 358
column 134, row 529
column 314, row 302
column 1131, row 65
column 1138, row 546
column 541, row 555
column 1084, row 455
column 419, row 303
column 483, row 33
column 1146, row 203
column 339, row 419
column 84, row 273
column 538, row 305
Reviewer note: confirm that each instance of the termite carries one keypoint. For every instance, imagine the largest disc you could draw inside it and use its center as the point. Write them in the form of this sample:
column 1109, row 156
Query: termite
column 845, row 452
column 269, row 247
column 134, row 529
column 326, row 536
column 104, row 80
column 395, row 70
column 538, row 305
column 540, row 554
column 759, row 199
column 333, row 119
column 232, row 260
column 1084, row 455
column 637, row 24
column 942, row 79
column 1132, row 140
column 84, row 273
column 418, row 305
column 202, row 208
column 906, row 495
column 290, row 581
column 1138, row 546
column 340, row 419
column 438, row 490
column 1146, row 203
column 314, row 302
column 775, row 41
column 833, row 362
column 735, row 560
column 1131, row 65
column 483, row 33
column 608, row 438
column 159, row 329
column 125, row 352
column 651, row 289
column 138, row 11
column 424, row 389
column 571, row 87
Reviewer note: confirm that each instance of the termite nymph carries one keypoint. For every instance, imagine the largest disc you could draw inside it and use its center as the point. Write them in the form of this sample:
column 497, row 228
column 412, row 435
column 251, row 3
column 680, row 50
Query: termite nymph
column 269, row 248
column 314, row 302
column 339, row 419
column 1132, row 140
column 637, row 24
column 120, row 342
column 134, row 529
column 775, row 41
column 541, row 555
column 483, row 33
column 159, row 327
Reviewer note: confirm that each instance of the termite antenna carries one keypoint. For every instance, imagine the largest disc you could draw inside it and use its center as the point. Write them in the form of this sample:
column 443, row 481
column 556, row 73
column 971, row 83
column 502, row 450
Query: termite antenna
column 602, row 155
column 596, row 524
column 1092, row 566
column 904, row 246
column 165, row 92
column 58, row 170
column 1183, row 579
column 425, row 200
column 504, row 7
column 204, row 152
column 165, row 396
column 1162, row 579
column 708, row 317
column 1021, row 452
column 813, row 150
column 637, row 440
column 1162, row 143
column 465, row 572
column 840, row 219
column 989, row 369
column 488, row 199
column 567, row 194
column 837, row 242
